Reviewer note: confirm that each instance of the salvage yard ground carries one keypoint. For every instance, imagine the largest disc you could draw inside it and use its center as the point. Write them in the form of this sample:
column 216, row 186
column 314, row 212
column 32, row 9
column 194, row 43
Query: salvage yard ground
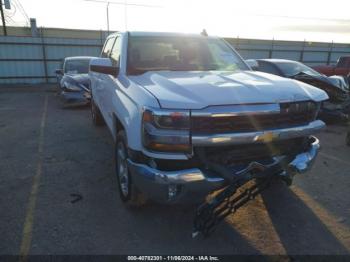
column 59, row 195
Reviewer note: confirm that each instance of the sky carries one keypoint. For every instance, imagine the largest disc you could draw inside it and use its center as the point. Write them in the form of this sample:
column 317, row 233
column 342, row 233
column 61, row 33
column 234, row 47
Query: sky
column 308, row 20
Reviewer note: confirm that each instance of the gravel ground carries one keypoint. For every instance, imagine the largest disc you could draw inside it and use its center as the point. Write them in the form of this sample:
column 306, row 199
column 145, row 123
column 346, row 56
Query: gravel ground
column 48, row 154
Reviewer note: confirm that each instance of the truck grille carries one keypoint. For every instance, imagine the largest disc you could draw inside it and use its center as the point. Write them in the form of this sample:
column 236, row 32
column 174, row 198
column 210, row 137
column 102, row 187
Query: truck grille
column 235, row 154
column 291, row 114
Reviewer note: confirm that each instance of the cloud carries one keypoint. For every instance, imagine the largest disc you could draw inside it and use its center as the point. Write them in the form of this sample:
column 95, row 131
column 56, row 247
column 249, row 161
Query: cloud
column 333, row 26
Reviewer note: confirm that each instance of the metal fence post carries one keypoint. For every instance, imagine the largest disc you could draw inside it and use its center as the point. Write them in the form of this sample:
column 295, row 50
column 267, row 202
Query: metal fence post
column 301, row 58
column 102, row 39
column 237, row 42
column 272, row 45
column 43, row 48
column 330, row 53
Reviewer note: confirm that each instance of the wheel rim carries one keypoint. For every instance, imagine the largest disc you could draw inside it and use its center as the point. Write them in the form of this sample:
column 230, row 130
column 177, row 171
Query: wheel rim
column 122, row 169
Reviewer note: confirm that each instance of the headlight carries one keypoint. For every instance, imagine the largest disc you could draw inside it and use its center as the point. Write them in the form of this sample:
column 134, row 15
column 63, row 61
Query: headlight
column 166, row 131
column 72, row 87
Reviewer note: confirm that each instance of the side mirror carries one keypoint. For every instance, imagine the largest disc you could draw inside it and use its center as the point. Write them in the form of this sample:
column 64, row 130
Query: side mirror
column 104, row 66
column 59, row 71
column 253, row 64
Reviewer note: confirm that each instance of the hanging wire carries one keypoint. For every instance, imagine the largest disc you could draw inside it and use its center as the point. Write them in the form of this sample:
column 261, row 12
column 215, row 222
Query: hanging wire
column 22, row 10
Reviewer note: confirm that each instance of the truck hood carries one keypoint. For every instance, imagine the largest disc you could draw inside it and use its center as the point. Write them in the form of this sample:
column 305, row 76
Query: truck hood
column 196, row 90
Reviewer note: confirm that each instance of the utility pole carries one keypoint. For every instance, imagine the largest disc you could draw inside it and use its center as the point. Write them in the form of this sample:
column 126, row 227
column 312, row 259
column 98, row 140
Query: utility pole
column 125, row 4
column 125, row 15
column 3, row 19
column 108, row 17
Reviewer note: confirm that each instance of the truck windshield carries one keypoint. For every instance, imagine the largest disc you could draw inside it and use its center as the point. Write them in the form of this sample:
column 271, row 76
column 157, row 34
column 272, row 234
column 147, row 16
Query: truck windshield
column 156, row 53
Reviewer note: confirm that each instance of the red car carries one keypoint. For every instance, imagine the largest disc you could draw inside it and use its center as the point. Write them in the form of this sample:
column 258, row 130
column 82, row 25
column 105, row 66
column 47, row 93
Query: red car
column 342, row 68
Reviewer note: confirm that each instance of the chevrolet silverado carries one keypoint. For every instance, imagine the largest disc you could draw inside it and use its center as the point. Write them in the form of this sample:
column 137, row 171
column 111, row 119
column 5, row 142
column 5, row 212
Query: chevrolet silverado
column 189, row 117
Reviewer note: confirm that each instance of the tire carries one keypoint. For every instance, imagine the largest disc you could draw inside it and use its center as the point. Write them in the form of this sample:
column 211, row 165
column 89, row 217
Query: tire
column 97, row 118
column 348, row 139
column 128, row 193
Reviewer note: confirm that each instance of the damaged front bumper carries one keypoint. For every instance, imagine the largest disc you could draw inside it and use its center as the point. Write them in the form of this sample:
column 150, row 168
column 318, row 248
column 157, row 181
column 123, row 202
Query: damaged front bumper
column 191, row 185
column 75, row 98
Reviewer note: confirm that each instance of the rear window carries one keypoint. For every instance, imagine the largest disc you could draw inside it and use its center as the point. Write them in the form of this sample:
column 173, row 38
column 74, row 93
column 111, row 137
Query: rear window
column 290, row 69
column 268, row 68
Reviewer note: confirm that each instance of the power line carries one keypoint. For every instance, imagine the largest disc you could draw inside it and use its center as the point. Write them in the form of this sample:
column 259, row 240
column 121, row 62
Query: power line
column 9, row 19
column 12, row 12
column 121, row 3
column 22, row 10
column 10, row 15
column 125, row 4
column 304, row 18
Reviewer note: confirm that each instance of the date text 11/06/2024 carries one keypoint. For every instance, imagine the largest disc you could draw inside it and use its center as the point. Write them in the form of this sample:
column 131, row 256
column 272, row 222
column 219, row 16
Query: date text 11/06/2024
column 173, row 258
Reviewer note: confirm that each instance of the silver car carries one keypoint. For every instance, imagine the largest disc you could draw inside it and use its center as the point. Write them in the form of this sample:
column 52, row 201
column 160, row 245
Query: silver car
column 73, row 81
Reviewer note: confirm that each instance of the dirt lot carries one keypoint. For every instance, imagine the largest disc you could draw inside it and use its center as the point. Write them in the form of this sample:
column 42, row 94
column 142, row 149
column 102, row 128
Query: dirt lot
column 48, row 153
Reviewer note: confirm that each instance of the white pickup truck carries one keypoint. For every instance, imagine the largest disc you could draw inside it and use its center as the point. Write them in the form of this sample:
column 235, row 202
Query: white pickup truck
column 188, row 115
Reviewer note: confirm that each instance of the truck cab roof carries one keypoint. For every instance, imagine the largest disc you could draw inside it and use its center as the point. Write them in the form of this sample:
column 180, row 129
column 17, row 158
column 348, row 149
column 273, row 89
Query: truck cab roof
column 168, row 34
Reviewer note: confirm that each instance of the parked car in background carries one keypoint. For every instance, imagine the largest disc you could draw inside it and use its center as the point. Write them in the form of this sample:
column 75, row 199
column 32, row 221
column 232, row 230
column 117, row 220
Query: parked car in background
column 338, row 105
column 73, row 80
column 336, row 88
column 342, row 67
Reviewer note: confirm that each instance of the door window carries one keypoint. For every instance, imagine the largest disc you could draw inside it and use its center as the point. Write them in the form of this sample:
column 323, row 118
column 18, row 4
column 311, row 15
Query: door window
column 108, row 47
column 115, row 54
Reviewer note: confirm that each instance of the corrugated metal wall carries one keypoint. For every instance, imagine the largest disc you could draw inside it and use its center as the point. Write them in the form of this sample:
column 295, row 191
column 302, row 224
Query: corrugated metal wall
column 34, row 59
column 310, row 53
column 25, row 59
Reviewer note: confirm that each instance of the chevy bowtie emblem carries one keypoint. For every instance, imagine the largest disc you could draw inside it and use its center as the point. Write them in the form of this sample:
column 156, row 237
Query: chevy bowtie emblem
column 267, row 137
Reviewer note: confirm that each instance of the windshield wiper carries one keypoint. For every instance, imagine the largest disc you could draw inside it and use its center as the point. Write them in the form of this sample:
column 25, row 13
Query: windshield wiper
column 140, row 71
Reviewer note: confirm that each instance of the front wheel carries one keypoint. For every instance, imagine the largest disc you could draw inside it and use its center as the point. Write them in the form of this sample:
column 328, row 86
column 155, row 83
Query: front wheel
column 129, row 194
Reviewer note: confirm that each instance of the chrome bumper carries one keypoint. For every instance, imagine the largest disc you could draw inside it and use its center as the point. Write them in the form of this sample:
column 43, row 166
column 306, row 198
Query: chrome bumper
column 303, row 162
column 259, row 136
column 194, row 184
